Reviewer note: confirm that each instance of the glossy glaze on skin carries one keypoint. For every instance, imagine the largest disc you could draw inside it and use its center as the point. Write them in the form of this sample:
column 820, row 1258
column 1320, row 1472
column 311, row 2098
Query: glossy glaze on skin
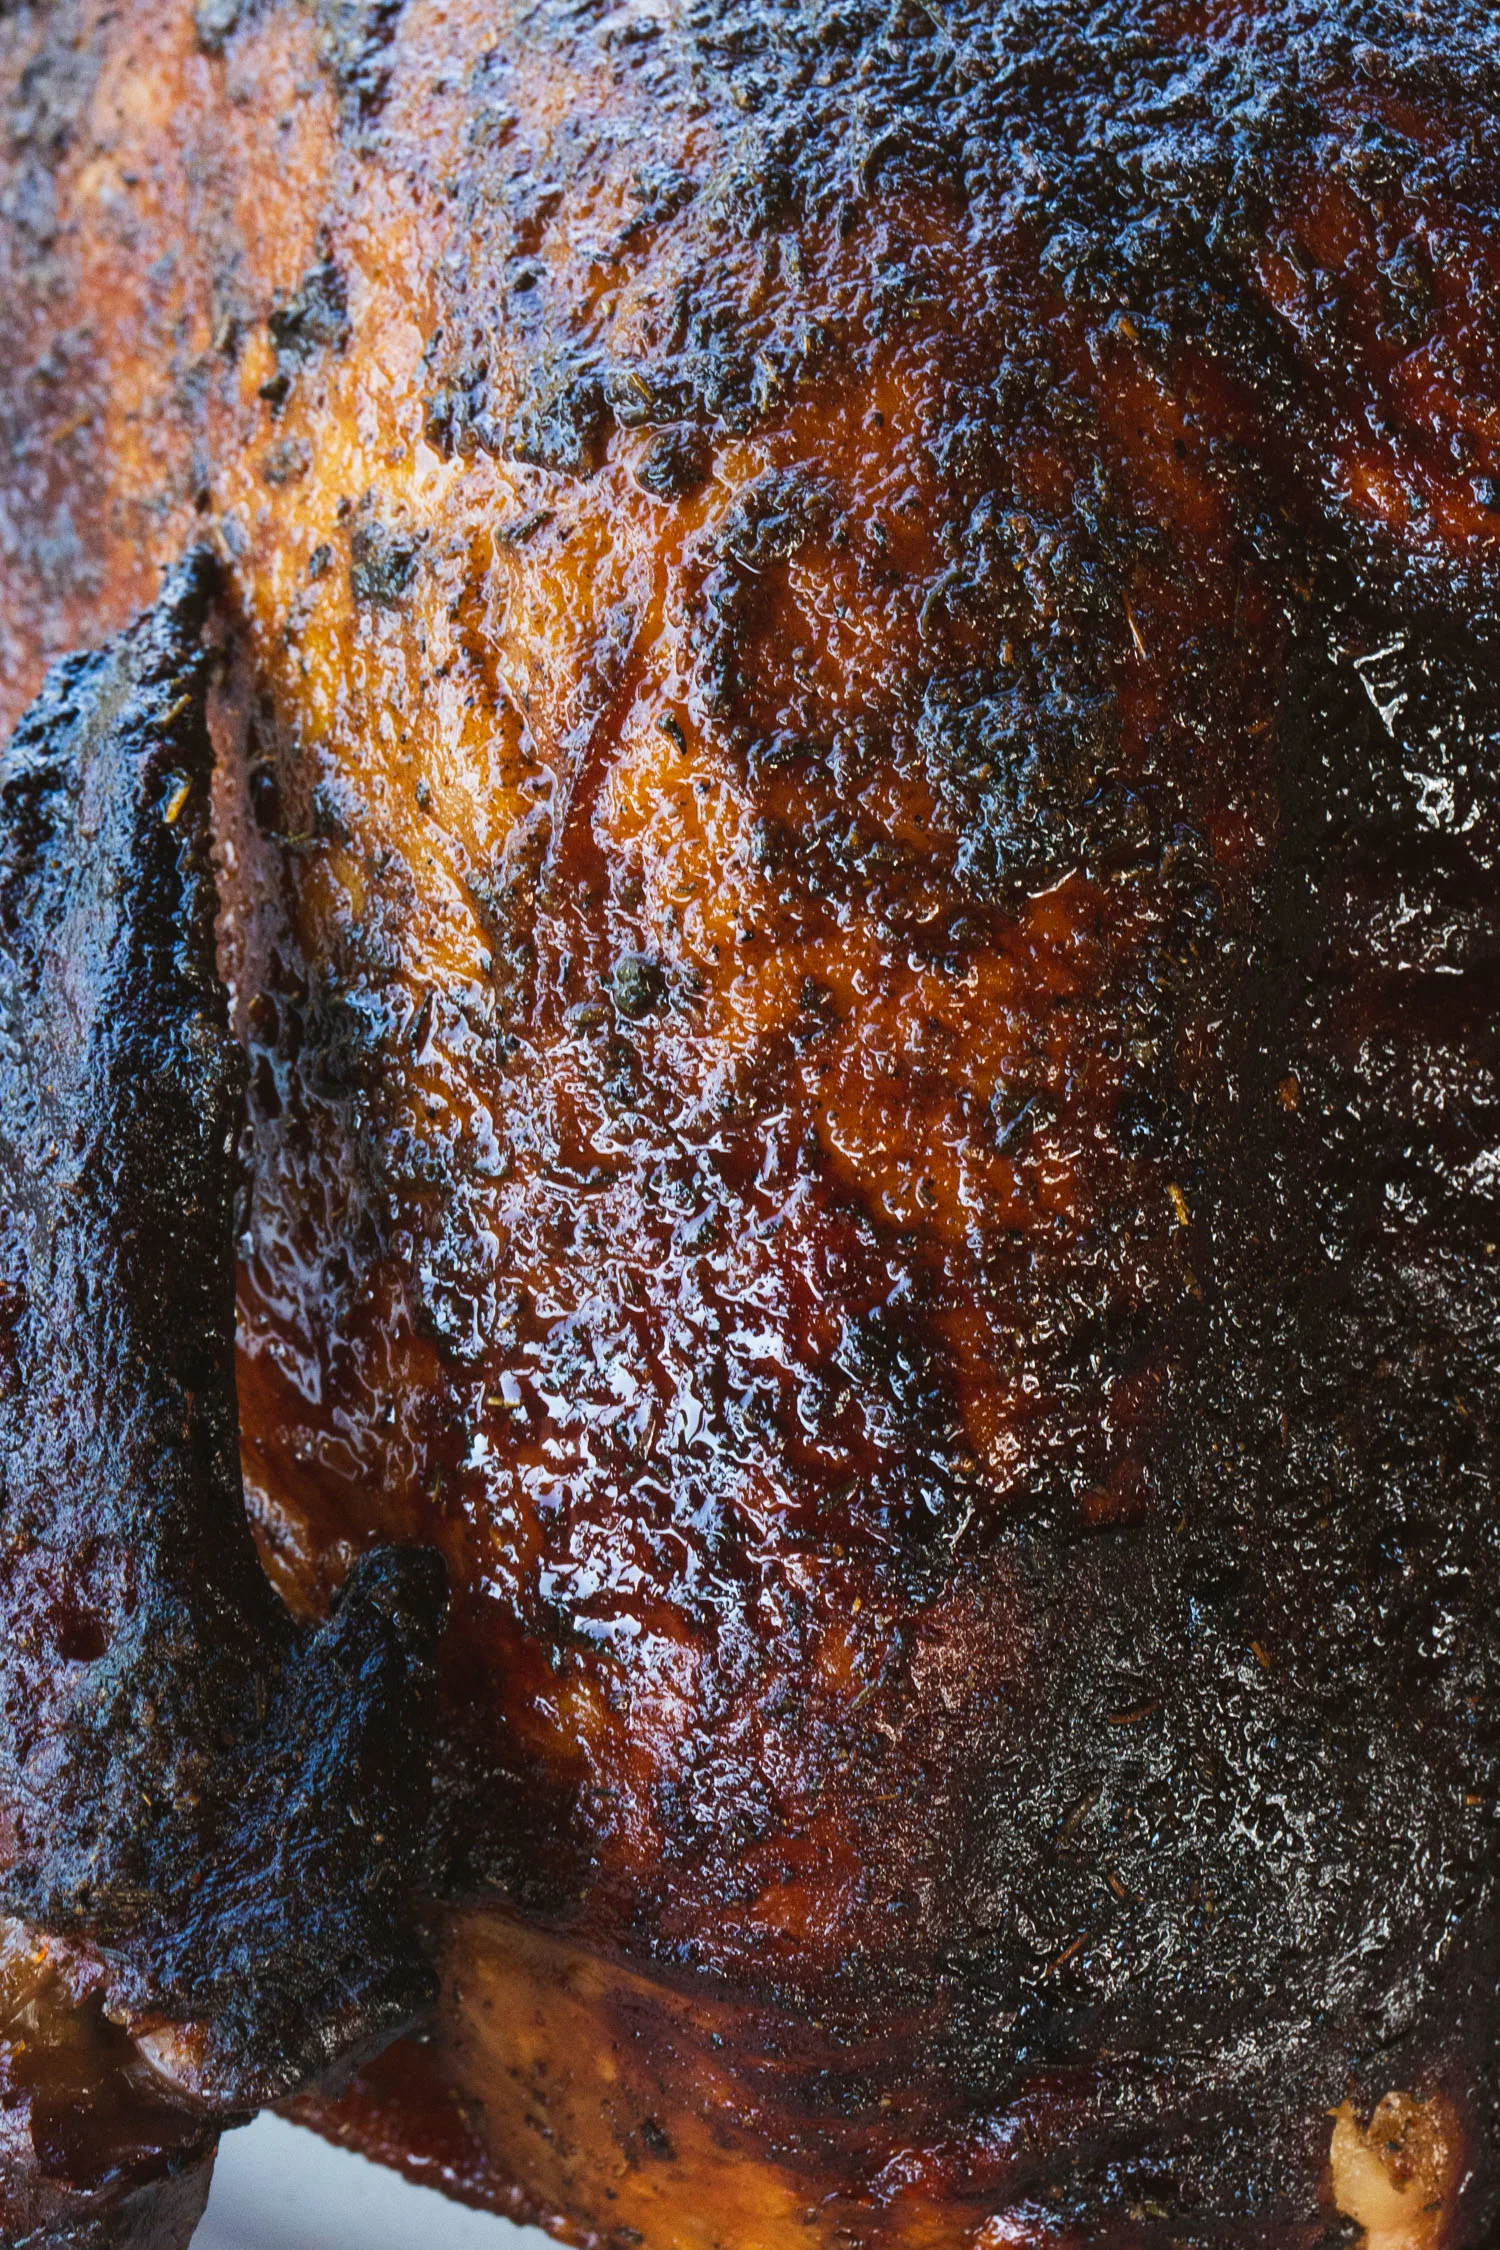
column 856, row 732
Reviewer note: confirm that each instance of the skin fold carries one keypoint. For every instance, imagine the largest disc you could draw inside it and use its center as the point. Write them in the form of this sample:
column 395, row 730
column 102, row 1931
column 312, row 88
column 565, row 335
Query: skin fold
column 854, row 684
column 211, row 1825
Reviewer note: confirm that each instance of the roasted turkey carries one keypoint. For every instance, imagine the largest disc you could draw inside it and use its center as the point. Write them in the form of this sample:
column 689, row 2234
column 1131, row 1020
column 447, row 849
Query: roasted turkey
column 748, row 885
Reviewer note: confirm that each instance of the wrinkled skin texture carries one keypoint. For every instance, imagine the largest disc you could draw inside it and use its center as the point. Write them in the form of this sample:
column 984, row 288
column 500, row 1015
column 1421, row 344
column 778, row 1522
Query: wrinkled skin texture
column 211, row 1823
column 857, row 832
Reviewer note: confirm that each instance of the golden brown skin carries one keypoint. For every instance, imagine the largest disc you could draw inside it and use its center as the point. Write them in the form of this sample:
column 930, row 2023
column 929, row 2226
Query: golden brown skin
column 748, row 1157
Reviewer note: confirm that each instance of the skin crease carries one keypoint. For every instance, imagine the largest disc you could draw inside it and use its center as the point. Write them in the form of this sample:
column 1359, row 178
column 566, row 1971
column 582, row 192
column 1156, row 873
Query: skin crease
column 718, row 1067
column 214, row 1825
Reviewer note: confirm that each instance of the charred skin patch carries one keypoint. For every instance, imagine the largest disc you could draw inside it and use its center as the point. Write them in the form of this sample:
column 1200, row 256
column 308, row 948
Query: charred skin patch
column 211, row 1824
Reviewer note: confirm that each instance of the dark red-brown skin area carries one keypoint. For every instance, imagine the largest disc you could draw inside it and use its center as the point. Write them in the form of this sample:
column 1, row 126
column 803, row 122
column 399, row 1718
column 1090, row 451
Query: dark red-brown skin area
column 858, row 727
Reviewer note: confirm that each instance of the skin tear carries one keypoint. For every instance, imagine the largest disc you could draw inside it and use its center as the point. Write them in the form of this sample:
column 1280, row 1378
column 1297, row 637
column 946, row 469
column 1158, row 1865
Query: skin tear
column 1397, row 2176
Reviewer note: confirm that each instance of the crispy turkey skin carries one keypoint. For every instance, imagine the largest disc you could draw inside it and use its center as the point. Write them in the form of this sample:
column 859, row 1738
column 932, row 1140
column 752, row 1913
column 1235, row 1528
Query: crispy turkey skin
column 858, row 731
column 210, row 1824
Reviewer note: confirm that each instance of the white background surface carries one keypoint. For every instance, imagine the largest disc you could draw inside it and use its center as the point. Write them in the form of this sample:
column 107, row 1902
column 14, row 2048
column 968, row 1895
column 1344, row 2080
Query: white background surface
column 278, row 2188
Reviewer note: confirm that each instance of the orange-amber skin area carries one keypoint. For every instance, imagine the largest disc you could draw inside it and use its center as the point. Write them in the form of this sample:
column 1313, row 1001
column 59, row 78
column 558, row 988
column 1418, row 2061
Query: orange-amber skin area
column 755, row 720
